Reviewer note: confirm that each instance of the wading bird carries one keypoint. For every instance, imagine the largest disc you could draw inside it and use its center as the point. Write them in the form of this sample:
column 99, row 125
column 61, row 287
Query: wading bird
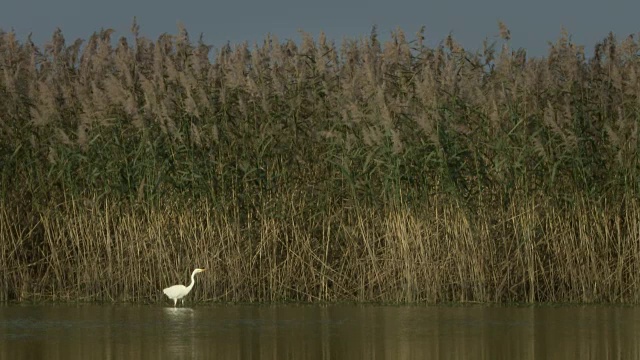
column 177, row 292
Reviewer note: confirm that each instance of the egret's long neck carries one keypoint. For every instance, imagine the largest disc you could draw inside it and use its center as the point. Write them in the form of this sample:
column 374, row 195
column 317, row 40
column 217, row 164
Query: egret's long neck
column 193, row 281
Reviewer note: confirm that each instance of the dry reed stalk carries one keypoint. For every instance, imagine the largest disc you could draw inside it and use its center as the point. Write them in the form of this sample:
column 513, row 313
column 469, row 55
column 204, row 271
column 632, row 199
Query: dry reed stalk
column 406, row 263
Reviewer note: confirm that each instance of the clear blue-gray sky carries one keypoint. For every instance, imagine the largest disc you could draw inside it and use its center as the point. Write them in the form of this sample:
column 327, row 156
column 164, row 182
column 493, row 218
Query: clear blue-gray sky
column 532, row 23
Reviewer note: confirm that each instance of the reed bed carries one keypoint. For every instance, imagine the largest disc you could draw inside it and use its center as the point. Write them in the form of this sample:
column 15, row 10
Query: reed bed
column 386, row 172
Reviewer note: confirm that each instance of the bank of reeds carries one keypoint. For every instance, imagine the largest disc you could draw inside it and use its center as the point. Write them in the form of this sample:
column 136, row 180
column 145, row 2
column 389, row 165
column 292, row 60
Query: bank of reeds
column 309, row 172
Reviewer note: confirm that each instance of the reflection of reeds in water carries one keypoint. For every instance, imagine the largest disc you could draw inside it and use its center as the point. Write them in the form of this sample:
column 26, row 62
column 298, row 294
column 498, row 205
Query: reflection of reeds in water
column 322, row 332
column 370, row 172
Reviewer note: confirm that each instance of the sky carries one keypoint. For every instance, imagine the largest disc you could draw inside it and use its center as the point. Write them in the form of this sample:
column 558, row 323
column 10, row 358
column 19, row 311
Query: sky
column 533, row 24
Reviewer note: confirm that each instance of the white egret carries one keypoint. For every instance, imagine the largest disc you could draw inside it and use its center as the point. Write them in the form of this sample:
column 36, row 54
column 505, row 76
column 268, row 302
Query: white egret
column 177, row 292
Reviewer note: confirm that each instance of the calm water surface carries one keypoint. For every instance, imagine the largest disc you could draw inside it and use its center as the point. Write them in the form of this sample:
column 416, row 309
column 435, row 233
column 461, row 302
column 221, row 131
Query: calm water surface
column 318, row 332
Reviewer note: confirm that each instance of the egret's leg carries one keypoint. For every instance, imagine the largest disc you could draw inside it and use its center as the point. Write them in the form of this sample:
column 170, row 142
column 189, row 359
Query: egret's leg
column 175, row 302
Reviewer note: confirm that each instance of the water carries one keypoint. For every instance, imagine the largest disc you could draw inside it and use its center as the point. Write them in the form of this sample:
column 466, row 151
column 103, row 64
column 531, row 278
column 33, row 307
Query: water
column 318, row 332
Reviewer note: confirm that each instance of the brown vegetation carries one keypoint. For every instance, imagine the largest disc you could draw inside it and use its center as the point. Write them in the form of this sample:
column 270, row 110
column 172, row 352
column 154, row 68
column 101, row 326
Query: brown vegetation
column 306, row 172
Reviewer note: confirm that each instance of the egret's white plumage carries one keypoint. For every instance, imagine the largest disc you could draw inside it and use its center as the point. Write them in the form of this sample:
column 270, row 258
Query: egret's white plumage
column 177, row 292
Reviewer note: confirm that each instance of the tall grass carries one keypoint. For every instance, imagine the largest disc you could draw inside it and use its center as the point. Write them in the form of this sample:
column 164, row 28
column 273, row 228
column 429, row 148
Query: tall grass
column 310, row 172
